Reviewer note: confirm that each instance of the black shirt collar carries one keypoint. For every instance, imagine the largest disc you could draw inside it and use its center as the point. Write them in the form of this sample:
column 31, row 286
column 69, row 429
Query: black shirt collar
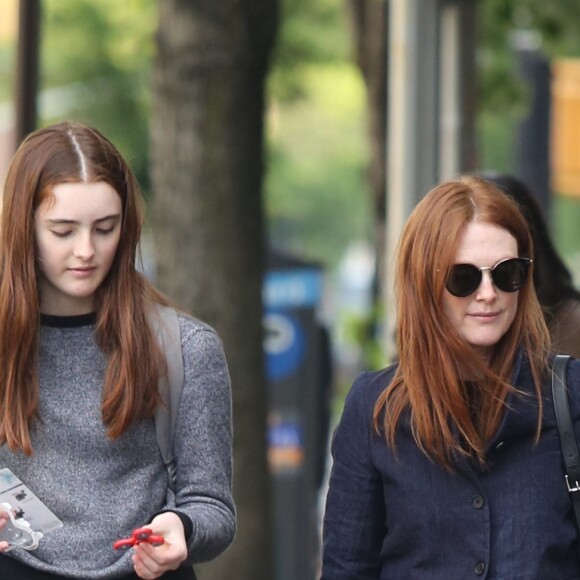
column 68, row 321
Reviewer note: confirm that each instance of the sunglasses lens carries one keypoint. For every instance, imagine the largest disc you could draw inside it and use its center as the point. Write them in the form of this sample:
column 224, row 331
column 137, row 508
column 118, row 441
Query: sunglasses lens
column 463, row 280
column 510, row 275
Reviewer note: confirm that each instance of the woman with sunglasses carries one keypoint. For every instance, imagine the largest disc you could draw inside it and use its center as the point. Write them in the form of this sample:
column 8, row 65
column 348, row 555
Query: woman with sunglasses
column 447, row 465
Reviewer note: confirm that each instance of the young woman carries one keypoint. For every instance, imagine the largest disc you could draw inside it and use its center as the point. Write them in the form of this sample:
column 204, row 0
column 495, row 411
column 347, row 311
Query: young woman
column 79, row 372
column 448, row 464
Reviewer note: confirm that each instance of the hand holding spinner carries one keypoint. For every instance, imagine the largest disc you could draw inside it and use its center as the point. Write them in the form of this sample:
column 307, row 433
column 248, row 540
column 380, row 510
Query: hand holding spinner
column 139, row 536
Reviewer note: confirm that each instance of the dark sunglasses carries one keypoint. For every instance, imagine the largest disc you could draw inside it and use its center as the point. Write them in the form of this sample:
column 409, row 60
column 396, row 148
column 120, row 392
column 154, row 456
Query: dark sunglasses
column 508, row 275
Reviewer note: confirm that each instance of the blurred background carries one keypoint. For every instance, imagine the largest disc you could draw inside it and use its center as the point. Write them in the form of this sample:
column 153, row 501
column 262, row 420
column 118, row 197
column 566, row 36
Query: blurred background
column 361, row 106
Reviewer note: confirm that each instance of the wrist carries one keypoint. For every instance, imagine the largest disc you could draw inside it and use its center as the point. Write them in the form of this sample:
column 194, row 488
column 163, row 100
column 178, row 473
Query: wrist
column 185, row 521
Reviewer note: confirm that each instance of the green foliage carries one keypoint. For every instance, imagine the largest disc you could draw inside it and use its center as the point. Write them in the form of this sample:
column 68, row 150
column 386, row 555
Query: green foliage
column 361, row 331
column 556, row 22
column 317, row 194
column 504, row 96
column 311, row 32
column 96, row 58
column 497, row 130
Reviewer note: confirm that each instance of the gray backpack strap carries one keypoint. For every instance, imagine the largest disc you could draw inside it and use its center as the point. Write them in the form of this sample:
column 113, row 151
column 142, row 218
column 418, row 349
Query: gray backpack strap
column 165, row 326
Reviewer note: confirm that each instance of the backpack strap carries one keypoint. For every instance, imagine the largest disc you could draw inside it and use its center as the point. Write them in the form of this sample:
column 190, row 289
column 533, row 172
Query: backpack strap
column 165, row 326
column 567, row 433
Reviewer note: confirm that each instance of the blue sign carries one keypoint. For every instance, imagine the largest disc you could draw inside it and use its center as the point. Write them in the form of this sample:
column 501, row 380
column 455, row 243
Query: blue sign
column 292, row 288
column 284, row 345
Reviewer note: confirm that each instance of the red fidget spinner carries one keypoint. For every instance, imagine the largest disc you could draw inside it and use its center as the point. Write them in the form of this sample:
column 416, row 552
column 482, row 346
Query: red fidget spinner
column 140, row 535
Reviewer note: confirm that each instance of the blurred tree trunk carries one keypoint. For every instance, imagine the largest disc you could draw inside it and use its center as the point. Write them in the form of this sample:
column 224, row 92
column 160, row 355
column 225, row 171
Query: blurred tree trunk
column 207, row 165
column 369, row 29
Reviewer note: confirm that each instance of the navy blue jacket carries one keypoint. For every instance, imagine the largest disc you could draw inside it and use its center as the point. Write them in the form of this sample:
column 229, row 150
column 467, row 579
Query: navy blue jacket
column 410, row 519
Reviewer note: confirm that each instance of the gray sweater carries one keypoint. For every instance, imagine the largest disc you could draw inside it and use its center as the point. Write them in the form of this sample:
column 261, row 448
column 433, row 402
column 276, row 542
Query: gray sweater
column 103, row 489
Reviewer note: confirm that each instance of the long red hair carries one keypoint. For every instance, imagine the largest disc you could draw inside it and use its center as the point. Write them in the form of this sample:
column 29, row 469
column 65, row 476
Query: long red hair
column 65, row 153
column 427, row 387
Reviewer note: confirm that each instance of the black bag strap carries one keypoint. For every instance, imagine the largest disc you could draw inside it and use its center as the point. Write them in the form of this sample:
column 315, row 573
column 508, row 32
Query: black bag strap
column 567, row 434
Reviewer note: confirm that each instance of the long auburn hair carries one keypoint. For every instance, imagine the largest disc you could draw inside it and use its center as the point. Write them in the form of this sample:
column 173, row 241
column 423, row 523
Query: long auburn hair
column 73, row 153
column 427, row 387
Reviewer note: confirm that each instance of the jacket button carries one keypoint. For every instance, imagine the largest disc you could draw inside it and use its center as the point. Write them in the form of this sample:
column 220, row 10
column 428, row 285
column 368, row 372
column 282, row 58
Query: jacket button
column 479, row 568
column 477, row 502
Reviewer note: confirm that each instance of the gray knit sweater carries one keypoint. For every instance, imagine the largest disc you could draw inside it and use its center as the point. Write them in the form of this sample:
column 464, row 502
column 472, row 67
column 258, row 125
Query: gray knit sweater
column 103, row 489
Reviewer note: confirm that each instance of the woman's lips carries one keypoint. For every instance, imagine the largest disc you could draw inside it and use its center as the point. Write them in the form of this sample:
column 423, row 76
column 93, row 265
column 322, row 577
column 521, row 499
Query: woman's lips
column 82, row 272
column 484, row 316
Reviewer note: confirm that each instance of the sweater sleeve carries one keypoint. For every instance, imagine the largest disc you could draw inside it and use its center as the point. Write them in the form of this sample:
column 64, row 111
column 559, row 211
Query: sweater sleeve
column 203, row 444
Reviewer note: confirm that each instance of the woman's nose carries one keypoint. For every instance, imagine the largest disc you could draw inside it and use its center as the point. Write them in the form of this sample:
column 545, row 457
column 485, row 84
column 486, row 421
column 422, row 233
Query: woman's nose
column 84, row 247
column 486, row 289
